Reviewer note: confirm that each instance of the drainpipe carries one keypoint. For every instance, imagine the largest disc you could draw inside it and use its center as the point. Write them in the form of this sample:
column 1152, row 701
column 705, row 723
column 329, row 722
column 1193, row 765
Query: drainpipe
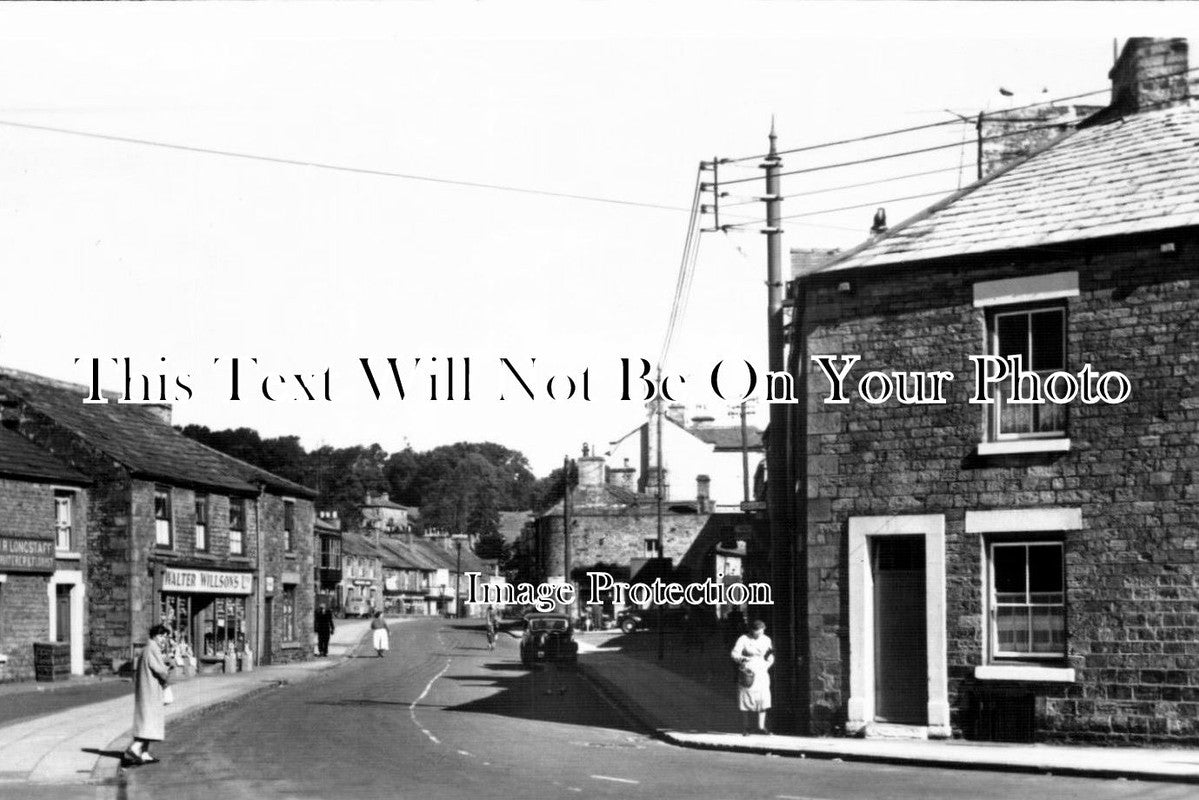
column 259, row 585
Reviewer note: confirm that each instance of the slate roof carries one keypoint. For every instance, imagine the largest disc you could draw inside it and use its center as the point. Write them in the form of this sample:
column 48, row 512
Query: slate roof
column 21, row 458
column 1134, row 175
column 728, row 437
column 140, row 440
column 356, row 544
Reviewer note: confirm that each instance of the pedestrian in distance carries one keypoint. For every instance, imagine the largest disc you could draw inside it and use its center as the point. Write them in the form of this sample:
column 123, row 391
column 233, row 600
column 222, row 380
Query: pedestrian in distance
column 489, row 620
column 150, row 680
column 381, row 634
column 754, row 653
column 324, row 628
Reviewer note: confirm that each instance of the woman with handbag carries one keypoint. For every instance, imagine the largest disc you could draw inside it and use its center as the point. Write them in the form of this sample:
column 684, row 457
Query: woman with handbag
column 754, row 653
column 149, row 687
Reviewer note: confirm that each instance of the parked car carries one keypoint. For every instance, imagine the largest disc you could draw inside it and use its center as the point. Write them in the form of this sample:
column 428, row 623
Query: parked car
column 357, row 607
column 636, row 619
column 548, row 637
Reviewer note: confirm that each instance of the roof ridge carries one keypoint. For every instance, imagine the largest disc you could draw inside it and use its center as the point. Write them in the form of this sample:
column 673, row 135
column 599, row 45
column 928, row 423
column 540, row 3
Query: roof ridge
column 941, row 204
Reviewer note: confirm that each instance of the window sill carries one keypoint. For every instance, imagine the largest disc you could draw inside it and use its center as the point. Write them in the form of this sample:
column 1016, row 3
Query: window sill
column 3, row 658
column 1023, row 446
column 244, row 559
column 68, row 555
column 1013, row 672
column 291, row 646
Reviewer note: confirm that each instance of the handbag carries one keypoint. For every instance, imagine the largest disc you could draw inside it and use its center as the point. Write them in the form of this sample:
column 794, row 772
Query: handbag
column 745, row 676
column 168, row 696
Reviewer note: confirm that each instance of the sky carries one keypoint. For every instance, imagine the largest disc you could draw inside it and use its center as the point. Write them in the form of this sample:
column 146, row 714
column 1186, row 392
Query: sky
column 167, row 196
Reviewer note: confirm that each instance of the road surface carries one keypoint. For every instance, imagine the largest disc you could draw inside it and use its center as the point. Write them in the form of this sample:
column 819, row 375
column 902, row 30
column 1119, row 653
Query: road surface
column 441, row 717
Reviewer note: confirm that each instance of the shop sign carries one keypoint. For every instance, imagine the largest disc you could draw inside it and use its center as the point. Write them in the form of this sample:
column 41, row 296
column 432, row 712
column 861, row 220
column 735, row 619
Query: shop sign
column 360, row 582
column 200, row 581
column 26, row 555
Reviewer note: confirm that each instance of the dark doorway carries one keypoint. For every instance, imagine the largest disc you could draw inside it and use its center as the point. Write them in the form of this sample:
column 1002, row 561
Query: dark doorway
column 900, row 643
column 62, row 611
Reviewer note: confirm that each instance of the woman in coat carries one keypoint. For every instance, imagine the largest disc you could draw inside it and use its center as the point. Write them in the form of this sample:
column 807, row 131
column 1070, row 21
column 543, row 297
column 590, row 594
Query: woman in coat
column 754, row 652
column 149, row 680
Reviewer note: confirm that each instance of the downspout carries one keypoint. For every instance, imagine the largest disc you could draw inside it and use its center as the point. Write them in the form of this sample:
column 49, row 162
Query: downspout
column 259, row 585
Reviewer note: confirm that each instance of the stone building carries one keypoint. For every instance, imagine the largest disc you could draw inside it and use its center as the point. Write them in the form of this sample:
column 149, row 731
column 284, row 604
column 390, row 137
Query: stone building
column 1009, row 570
column 174, row 531
column 361, row 588
column 43, row 517
column 690, row 448
column 615, row 530
column 326, row 559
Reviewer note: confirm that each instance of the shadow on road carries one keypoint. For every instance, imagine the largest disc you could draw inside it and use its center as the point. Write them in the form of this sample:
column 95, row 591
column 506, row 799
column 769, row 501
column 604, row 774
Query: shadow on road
column 545, row 693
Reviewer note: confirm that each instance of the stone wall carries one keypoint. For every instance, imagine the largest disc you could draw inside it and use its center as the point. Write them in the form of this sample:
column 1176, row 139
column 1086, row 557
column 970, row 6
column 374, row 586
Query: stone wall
column 280, row 563
column 1133, row 470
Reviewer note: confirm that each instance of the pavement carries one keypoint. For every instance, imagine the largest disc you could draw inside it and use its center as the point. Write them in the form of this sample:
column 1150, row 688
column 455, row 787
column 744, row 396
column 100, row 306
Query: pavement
column 83, row 744
column 688, row 713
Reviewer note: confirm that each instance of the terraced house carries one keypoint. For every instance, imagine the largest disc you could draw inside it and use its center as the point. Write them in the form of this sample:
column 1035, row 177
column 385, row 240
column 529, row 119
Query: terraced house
column 1010, row 570
column 171, row 530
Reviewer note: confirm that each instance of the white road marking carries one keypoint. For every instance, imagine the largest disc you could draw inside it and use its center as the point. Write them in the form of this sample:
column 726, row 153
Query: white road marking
column 412, row 708
column 617, row 780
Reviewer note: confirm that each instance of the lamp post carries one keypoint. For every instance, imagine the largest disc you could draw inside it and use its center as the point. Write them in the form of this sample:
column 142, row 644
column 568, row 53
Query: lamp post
column 458, row 538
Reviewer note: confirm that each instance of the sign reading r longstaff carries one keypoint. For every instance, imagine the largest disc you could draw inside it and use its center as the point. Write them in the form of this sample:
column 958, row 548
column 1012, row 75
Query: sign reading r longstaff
column 545, row 596
column 26, row 555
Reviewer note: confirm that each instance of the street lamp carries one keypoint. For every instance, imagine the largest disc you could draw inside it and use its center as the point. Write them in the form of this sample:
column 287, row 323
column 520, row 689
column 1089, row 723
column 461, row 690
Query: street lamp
column 458, row 539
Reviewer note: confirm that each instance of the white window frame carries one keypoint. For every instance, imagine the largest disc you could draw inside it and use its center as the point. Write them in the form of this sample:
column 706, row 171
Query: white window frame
column 240, row 550
column 202, row 501
column 995, row 409
column 289, row 525
column 652, row 549
column 63, row 497
column 164, row 524
column 996, row 655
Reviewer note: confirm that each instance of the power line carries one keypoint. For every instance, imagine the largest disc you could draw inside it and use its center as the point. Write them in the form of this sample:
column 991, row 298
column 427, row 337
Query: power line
column 686, row 269
column 874, row 203
column 379, row 173
column 984, row 115
column 900, row 154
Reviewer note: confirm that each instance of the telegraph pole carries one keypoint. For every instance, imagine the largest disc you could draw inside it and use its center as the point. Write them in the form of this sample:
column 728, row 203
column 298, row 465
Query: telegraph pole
column 661, row 530
column 566, row 509
column 744, row 456
column 779, row 544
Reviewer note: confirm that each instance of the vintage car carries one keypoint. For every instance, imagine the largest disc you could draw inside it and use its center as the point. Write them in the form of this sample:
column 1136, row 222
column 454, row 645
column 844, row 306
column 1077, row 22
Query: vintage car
column 636, row 619
column 548, row 637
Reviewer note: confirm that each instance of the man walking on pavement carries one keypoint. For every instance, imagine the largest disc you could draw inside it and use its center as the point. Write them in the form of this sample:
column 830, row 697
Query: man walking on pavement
column 323, row 628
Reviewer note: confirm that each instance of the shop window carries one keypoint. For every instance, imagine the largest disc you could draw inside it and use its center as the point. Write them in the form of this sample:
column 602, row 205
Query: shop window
column 1038, row 337
column 201, row 522
column 237, row 526
column 289, row 525
column 220, row 624
column 287, row 612
column 162, row 517
column 1027, row 600
column 175, row 611
column 63, row 503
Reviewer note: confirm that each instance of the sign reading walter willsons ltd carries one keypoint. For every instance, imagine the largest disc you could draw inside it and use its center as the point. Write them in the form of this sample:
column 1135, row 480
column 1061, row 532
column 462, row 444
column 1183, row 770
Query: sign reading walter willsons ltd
column 202, row 581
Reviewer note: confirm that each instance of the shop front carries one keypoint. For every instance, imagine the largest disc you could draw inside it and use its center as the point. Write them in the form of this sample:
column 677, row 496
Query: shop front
column 208, row 610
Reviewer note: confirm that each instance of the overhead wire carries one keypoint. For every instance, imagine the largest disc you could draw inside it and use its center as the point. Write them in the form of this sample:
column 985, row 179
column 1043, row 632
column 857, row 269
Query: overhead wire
column 294, row 162
column 928, row 126
column 686, row 265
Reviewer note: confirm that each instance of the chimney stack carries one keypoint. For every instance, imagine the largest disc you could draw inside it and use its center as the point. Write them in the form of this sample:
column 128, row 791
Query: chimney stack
column 1150, row 73
column 591, row 471
column 677, row 413
column 703, row 493
column 651, row 482
column 623, row 477
column 161, row 411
